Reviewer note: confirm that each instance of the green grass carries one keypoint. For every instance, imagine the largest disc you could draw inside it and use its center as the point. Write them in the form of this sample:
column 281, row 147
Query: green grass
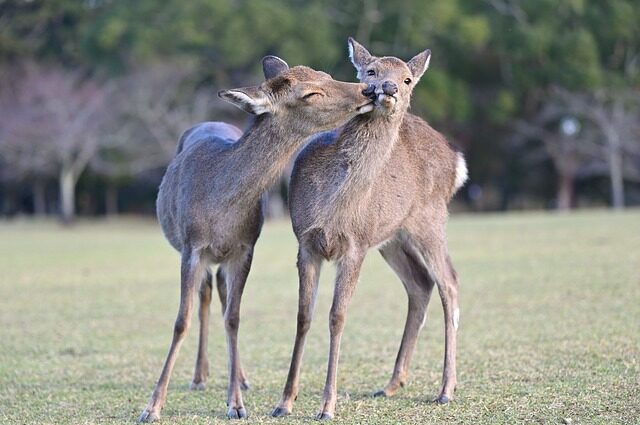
column 550, row 327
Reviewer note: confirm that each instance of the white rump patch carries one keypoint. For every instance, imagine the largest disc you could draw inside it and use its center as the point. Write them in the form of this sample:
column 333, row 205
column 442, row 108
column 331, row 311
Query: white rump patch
column 456, row 318
column 462, row 174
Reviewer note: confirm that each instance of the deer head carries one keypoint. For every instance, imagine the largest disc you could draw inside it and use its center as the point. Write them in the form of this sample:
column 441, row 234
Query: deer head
column 307, row 101
column 391, row 80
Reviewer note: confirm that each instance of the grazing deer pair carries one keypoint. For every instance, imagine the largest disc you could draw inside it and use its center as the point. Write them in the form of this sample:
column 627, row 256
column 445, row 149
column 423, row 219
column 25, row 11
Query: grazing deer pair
column 383, row 180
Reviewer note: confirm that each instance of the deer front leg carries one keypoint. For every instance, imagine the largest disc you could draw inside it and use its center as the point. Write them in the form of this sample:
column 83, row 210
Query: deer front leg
column 309, row 272
column 191, row 273
column 236, row 272
column 201, row 372
column 221, row 285
column 346, row 280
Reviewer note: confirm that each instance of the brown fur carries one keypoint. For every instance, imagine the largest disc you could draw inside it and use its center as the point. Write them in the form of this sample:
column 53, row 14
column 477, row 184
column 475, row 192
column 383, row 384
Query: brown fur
column 384, row 180
column 209, row 203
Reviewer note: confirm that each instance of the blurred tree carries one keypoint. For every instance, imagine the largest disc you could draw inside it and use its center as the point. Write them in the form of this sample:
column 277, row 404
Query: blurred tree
column 575, row 47
column 152, row 108
column 573, row 148
column 21, row 152
column 53, row 125
column 495, row 62
column 225, row 37
column 617, row 116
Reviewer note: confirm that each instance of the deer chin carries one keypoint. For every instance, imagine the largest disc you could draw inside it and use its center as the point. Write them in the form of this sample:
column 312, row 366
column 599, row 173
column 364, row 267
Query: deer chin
column 386, row 105
column 386, row 101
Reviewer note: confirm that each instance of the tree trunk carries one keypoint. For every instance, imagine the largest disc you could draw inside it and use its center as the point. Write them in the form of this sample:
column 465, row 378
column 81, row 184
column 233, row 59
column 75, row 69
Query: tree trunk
column 111, row 200
column 565, row 192
column 39, row 198
column 617, row 179
column 8, row 202
column 67, row 195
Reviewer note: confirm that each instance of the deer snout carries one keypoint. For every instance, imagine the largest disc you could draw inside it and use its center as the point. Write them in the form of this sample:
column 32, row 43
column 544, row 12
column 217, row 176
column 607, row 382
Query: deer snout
column 389, row 88
column 370, row 91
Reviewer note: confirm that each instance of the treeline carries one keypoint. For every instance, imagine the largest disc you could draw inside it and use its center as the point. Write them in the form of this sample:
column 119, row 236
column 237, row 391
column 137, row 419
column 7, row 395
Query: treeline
column 544, row 96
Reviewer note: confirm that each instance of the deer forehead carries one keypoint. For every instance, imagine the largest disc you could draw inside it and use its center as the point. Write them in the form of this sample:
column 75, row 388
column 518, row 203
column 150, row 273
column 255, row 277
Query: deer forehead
column 390, row 65
column 298, row 79
column 304, row 73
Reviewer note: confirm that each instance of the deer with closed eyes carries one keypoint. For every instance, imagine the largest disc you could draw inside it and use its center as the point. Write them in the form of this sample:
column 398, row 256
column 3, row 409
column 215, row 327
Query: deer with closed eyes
column 209, row 203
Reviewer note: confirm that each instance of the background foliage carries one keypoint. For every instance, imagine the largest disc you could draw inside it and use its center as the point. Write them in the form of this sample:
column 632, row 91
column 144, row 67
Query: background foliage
column 497, row 65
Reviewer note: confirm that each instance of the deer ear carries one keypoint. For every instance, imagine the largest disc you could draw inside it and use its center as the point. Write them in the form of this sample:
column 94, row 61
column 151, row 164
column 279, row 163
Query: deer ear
column 419, row 64
column 360, row 57
column 250, row 99
column 272, row 66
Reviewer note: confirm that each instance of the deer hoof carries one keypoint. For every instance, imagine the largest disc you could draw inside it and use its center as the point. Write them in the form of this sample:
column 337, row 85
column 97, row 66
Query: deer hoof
column 280, row 412
column 324, row 416
column 237, row 413
column 442, row 399
column 197, row 386
column 149, row 416
column 244, row 385
column 380, row 393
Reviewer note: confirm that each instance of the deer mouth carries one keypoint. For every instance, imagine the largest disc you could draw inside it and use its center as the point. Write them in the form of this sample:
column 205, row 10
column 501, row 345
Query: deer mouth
column 367, row 107
column 386, row 100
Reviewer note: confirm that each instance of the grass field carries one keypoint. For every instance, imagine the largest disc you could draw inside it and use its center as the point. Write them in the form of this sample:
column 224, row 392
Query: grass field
column 549, row 331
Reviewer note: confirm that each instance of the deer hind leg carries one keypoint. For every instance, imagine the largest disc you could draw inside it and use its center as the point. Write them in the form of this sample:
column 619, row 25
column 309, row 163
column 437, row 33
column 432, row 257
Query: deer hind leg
column 309, row 272
column 191, row 272
column 418, row 284
column 201, row 372
column 236, row 271
column 442, row 271
column 221, row 285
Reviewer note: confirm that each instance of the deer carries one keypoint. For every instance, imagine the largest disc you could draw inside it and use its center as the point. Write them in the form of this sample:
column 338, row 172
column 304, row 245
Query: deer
column 382, row 181
column 210, row 207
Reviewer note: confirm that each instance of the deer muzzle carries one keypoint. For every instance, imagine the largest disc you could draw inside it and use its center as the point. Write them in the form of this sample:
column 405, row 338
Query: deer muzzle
column 389, row 88
column 370, row 92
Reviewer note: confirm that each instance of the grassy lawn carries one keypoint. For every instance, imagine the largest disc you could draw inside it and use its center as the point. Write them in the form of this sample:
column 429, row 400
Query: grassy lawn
column 549, row 330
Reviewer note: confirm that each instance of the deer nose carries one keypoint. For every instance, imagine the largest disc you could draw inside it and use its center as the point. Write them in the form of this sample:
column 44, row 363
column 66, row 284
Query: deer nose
column 390, row 88
column 370, row 91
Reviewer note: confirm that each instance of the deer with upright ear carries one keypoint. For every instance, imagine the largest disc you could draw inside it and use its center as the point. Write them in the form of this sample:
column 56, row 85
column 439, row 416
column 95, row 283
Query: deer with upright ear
column 382, row 181
column 209, row 203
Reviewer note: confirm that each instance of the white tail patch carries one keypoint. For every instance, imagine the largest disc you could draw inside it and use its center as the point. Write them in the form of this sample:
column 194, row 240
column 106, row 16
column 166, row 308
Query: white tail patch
column 456, row 318
column 462, row 174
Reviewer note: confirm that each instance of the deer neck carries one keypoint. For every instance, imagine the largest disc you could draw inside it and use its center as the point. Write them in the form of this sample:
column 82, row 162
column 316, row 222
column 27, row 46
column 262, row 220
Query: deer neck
column 262, row 154
column 365, row 146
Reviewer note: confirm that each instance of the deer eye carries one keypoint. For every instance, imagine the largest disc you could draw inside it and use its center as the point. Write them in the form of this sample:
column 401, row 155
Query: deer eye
column 310, row 95
column 407, row 81
column 371, row 72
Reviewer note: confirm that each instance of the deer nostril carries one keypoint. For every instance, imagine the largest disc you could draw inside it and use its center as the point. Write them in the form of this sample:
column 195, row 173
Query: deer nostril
column 389, row 88
column 370, row 91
